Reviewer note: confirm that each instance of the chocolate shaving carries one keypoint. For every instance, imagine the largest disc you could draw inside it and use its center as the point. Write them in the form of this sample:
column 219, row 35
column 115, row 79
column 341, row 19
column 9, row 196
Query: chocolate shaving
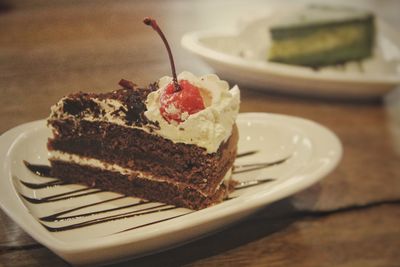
column 127, row 84
column 80, row 105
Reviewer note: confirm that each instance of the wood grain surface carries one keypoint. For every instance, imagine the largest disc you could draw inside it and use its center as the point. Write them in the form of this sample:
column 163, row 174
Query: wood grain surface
column 49, row 49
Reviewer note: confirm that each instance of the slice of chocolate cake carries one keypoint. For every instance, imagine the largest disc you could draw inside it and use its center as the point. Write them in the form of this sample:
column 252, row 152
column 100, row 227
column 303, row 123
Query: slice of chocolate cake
column 155, row 143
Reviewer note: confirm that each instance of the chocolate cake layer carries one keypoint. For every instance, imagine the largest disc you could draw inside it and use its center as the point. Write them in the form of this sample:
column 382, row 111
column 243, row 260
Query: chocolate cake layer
column 170, row 193
column 140, row 151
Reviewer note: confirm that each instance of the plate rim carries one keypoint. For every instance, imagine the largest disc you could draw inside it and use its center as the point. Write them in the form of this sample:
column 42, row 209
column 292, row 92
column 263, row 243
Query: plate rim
column 65, row 249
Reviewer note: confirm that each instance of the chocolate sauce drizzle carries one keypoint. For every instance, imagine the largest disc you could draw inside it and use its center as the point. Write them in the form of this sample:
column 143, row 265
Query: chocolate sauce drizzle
column 247, row 184
column 58, row 216
column 40, row 170
column 142, row 207
column 257, row 166
column 245, row 154
column 63, row 196
column 124, row 215
column 154, row 222
column 42, row 185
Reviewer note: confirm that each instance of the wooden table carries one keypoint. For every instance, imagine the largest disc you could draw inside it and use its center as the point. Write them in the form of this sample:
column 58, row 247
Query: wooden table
column 351, row 218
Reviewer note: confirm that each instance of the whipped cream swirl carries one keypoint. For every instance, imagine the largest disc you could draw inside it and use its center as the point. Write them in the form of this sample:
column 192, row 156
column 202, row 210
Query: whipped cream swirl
column 207, row 128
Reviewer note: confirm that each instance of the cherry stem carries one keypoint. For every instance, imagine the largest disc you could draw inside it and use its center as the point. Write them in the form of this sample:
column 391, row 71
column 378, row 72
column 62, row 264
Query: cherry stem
column 151, row 22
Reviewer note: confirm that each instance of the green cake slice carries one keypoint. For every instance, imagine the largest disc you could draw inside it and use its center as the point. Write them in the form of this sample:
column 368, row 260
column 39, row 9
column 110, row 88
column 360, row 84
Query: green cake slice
column 320, row 36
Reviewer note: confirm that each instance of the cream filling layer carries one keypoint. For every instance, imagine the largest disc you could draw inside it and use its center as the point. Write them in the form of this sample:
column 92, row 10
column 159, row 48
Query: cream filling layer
column 91, row 162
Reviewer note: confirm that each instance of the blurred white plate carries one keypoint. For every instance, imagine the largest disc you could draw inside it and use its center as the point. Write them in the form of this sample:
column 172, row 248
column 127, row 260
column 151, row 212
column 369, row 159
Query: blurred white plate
column 314, row 152
column 239, row 55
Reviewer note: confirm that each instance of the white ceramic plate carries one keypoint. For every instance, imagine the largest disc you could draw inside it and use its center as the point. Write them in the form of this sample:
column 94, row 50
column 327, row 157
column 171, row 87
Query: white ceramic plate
column 312, row 149
column 239, row 55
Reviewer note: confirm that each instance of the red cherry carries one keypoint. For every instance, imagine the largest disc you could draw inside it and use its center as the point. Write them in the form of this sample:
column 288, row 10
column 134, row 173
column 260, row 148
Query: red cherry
column 175, row 103
column 178, row 98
